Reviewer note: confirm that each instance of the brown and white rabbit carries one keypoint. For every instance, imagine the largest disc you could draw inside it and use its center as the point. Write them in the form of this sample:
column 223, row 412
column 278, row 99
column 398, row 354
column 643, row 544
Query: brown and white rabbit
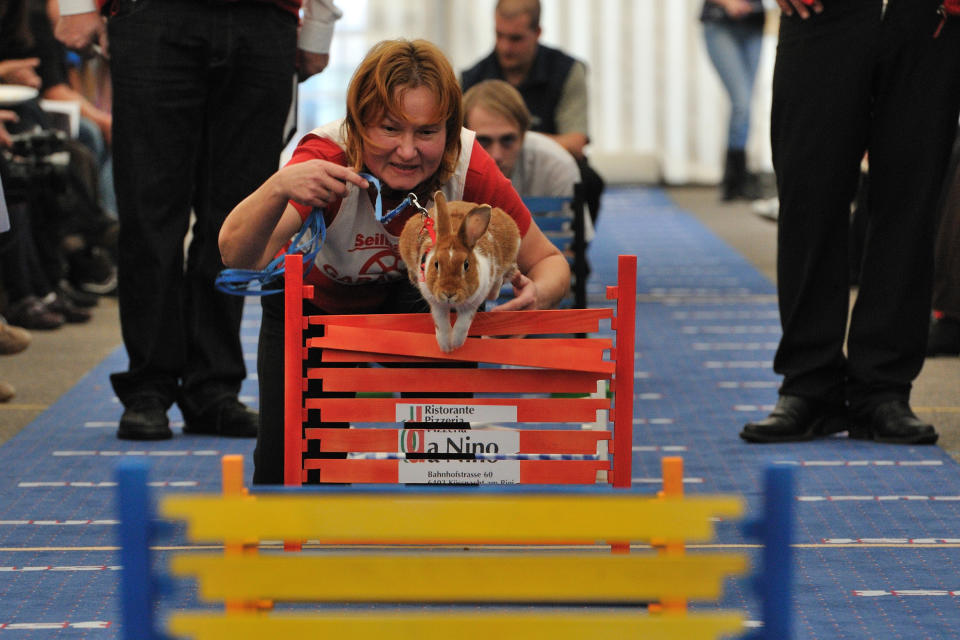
column 475, row 253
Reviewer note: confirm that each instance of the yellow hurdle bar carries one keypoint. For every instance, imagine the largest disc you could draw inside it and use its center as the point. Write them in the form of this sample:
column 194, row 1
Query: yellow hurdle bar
column 444, row 626
column 457, row 577
column 454, row 518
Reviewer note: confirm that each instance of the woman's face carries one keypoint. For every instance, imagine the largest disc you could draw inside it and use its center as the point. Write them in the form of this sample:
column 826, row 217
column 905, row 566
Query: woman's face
column 405, row 152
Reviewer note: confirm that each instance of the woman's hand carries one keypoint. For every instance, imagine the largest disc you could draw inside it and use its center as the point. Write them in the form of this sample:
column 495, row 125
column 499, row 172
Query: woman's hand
column 525, row 294
column 316, row 183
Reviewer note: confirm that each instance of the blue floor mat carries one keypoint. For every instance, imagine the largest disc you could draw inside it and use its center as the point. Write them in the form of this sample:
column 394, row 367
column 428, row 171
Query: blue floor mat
column 878, row 527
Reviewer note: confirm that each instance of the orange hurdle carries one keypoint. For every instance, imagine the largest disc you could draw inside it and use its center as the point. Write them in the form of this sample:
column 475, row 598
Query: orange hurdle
column 521, row 390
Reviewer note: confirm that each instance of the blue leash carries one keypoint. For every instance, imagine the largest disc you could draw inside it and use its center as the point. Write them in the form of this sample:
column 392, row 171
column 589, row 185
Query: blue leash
column 250, row 282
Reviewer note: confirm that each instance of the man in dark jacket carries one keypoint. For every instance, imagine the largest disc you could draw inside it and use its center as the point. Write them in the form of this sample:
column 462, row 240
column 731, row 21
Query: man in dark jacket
column 553, row 84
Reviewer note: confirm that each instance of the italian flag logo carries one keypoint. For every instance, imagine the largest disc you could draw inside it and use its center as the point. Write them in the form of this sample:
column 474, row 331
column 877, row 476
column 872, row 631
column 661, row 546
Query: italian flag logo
column 411, row 440
column 416, row 413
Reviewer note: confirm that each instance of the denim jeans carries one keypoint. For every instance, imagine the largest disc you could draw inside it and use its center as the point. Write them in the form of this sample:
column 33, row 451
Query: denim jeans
column 201, row 91
column 734, row 49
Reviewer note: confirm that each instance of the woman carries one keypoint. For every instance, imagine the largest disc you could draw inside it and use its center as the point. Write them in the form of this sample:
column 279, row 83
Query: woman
column 733, row 32
column 404, row 127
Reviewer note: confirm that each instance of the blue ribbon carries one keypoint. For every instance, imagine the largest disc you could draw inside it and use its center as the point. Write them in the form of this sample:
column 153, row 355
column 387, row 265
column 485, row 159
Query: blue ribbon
column 250, row 282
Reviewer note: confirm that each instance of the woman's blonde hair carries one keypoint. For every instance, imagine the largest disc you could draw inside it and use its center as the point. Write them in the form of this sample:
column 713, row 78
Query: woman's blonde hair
column 376, row 89
column 497, row 96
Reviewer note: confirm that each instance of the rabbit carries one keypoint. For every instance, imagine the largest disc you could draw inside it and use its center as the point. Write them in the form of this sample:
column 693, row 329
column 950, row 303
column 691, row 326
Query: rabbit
column 474, row 254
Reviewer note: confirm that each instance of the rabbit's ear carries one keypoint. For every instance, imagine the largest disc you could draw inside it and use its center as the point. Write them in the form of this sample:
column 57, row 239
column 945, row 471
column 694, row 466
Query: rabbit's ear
column 441, row 215
column 474, row 225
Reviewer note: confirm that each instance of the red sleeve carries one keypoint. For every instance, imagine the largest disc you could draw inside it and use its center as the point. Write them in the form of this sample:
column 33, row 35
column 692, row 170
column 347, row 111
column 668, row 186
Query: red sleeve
column 485, row 184
column 313, row 147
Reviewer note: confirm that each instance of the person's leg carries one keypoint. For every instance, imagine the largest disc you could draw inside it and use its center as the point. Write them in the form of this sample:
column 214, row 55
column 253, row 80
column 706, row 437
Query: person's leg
column 250, row 74
column 915, row 119
column 732, row 50
column 820, row 118
column 727, row 54
column 159, row 96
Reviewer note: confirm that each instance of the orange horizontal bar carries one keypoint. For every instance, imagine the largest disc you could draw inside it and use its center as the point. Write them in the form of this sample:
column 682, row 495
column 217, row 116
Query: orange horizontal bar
column 342, row 355
column 575, row 354
column 387, row 471
column 528, row 409
column 484, row 323
column 442, row 380
column 386, row 440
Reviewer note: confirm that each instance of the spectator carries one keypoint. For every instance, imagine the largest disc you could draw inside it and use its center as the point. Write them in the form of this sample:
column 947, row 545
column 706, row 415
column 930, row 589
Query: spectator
column 553, row 85
column 535, row 164
column 404, row 126
column 201, row 92
column 850, row 77
column 733, row 33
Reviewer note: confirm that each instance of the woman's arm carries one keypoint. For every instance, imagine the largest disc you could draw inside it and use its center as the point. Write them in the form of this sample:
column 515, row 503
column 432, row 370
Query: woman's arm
column 544, row 277
column 265, row 220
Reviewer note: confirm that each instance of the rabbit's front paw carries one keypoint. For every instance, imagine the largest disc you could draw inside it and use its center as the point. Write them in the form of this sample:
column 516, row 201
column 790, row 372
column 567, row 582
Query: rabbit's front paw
column 458, row 337
column 443, row 341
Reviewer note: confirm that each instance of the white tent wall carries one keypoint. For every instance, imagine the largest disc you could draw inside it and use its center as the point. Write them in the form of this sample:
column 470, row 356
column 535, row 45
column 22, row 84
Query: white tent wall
column 658, row 112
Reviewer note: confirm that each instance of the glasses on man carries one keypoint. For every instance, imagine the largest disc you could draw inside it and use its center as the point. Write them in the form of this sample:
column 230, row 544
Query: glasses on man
column 506, row 141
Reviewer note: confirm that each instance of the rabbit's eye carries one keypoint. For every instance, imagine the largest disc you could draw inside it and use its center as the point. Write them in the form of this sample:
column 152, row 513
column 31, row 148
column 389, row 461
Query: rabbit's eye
column 436, row 265
column 466, row 265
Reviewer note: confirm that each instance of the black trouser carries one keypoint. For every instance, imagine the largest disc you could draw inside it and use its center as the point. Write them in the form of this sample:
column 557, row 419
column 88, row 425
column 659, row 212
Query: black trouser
column 201, row 91
column 845, row 82
column 946, row 275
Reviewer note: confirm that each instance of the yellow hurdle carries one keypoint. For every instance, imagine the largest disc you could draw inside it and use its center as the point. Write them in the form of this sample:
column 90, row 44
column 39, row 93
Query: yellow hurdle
column 460, row 577
column 398, row 517
column 444, row 626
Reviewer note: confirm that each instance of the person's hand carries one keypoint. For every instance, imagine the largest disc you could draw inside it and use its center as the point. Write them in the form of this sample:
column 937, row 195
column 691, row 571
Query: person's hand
column 737, row 8
column 310, row 63
column 524, row 295
column 801, row 7
column 6, row 116
column 20, row 71
column 316, row 183
column 82, row 30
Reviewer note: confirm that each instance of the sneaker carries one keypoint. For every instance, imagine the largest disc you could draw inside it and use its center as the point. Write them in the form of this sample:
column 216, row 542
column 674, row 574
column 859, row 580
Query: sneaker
column 229, row 417
column 13, row 339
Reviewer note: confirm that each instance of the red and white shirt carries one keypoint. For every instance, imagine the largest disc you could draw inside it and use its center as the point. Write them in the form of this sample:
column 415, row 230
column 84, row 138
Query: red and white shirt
column 360, row 258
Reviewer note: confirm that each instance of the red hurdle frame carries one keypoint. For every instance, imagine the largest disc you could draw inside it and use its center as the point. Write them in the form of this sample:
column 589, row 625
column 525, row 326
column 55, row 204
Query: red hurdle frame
column 564, row 365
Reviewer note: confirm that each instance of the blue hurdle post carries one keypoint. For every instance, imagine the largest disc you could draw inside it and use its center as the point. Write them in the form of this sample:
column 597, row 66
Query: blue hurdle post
column 136, row 527
column 774, row 579
column 777, row 578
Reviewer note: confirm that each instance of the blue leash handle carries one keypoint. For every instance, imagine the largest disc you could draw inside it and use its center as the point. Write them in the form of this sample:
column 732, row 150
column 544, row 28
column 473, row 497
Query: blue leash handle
column 250, row 282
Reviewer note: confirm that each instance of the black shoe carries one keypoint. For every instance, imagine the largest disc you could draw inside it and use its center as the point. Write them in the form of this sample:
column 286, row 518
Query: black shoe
column 795, row 419
column 80, row 298
column 32, row 313
column 228, row 417
column 893, row 422
column 944, row 337
column 145, row 418
column 58, row 303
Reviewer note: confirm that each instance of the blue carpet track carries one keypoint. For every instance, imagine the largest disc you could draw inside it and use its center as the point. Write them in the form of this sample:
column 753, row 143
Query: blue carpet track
column 878, row 527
